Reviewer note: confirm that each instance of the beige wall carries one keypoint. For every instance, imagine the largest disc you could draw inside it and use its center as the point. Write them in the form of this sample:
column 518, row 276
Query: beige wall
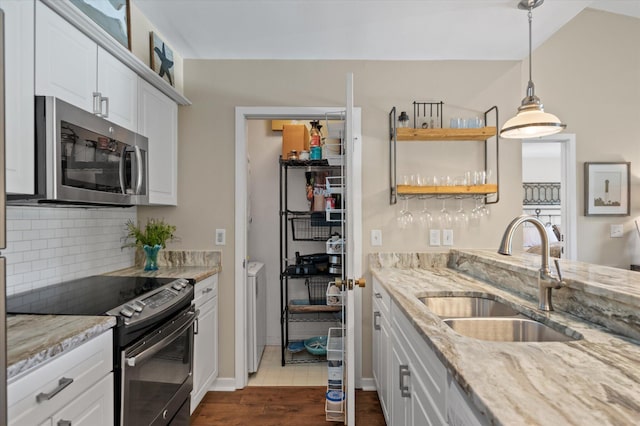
column 568, row 76
column 589, row 75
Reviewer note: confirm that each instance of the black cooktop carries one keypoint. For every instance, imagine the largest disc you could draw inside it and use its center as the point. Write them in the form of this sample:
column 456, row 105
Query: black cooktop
column 85, row 296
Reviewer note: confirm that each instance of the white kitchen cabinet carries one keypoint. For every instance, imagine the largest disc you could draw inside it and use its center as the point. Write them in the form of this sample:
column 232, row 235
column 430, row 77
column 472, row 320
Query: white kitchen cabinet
column 419, row 379
column 93, row 407
column 381, row 346
column 72, row 67
column 459, row 410
column 205, row 359
column 19, row 91
column 158, row 121
column 400, row 395
column 76, row 386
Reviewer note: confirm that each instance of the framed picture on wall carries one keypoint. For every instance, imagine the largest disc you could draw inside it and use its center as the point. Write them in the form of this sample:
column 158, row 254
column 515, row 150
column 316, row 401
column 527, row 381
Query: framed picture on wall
column 607, row 189
column 112, row 15
column 161, row 58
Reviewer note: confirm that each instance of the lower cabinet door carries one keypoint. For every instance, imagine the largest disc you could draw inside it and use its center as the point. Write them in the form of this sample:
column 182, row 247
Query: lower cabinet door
column 205, row 359
column 384, row 371
column 400, row 387
column 94, row 407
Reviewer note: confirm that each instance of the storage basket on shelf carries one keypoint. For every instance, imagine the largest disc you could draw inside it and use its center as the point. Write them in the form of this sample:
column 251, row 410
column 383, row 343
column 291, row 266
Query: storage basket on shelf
column 316, row 345
column 312, row 226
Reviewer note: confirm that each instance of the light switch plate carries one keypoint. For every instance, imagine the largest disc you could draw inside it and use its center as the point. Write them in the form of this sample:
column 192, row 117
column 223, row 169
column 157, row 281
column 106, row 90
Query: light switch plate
column 616, row 231
column 221, row 237
column 376, row 237
column 434, row 237
column 447, row 237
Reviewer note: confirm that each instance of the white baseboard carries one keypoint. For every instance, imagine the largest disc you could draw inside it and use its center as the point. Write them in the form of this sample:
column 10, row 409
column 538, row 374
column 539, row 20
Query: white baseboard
column 368, row 384
column 223, row 384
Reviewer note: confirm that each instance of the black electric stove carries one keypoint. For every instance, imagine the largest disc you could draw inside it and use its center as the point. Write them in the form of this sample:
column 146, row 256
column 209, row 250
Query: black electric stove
column 94, row 295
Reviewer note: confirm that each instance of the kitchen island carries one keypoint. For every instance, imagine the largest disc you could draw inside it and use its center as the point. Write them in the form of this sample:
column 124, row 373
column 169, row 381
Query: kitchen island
column 594, row 380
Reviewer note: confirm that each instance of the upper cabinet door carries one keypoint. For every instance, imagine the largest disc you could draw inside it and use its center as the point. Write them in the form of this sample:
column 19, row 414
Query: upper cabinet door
column 66, row 60
column 19, row 90
column 118, row 88
column 158, row 121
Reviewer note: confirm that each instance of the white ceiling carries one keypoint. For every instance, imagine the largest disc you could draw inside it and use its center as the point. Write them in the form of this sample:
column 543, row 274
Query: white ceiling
column 362, row 29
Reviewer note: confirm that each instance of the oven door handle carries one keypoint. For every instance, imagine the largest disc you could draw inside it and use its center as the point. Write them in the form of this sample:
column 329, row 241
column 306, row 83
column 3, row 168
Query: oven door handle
column 146, row 353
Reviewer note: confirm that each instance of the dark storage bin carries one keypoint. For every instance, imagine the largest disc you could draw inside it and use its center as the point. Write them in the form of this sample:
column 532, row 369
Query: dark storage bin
column 312, row 227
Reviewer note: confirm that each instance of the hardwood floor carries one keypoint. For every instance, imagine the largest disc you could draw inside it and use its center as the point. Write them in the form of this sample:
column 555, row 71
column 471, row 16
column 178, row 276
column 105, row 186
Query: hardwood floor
column 279, row 406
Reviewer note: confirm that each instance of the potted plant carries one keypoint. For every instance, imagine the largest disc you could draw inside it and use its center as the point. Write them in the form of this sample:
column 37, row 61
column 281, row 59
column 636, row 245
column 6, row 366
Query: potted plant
column 151, row 239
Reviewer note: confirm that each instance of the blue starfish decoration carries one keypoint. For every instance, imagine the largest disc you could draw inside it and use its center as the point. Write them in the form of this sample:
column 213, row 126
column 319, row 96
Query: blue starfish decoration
column 166, row 63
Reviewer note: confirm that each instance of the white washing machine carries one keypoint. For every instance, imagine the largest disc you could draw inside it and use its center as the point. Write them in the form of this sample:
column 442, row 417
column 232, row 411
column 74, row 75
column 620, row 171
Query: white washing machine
column 256, row 314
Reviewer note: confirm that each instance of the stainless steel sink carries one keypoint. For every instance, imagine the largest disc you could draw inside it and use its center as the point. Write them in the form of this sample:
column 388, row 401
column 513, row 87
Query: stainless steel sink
column 466, row 307
column 506, row 330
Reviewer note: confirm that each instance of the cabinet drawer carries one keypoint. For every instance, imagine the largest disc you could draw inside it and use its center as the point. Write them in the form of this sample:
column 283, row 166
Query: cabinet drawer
column 94, row 407
column 86, row 365
column 381, row 296
column 206, row 290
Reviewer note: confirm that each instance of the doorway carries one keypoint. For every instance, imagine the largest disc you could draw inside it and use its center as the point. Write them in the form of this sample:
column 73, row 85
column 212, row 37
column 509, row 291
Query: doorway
column 549, row 188
column 243, row 218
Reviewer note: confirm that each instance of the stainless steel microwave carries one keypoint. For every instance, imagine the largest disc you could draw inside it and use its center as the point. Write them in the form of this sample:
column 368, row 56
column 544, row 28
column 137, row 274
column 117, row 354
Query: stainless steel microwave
column 82, row 158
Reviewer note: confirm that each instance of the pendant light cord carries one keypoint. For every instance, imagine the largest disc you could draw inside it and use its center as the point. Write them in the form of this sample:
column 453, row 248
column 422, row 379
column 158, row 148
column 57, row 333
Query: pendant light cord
column 530, row 14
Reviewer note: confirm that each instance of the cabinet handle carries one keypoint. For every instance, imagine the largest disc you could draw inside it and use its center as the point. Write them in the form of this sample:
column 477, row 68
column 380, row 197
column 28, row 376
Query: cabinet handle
column 378, row 295
column 62, row 383
column 376, row 325
column 196, row 327
column 64, row 422
column 97, row 96
column 105, row 100
column 404, row 390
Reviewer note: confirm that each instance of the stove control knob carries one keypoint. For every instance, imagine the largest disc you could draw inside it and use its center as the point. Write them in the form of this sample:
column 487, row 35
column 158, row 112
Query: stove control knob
column 137, row 306
column 176, row 286
column 127, row 311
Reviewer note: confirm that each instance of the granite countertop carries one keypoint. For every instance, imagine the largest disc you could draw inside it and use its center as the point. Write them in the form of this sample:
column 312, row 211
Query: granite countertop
column 198, row 273
column 189, row 264
column 35, row 339
column 591, row 381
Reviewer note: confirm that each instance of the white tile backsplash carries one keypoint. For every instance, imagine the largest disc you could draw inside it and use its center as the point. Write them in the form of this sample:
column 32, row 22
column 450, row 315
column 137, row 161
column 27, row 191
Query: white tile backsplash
column 49, row 245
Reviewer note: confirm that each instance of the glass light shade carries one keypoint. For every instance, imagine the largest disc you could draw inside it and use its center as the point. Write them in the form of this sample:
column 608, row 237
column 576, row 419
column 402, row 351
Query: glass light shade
column 531, row 123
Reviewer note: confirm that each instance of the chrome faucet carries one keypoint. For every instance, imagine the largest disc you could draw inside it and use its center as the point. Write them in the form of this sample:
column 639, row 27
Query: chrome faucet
column 546, row 280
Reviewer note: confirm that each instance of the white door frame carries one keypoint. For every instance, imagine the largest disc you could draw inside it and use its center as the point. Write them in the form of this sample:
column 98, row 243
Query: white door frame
column 241, row 185
column 568, row 190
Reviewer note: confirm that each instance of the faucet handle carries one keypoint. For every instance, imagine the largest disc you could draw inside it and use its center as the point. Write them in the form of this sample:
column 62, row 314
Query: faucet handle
column 559, row 272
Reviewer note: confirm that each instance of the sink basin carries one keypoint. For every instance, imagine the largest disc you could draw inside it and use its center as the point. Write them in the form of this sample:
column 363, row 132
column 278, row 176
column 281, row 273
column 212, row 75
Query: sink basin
column 506, row 330
column 466, row 307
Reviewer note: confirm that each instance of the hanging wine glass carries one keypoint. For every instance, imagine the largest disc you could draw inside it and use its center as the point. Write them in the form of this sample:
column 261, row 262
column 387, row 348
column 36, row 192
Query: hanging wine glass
column 404, row 218
column 425, row 218
column 444, row 217
column 460, row 217
column 476, row 214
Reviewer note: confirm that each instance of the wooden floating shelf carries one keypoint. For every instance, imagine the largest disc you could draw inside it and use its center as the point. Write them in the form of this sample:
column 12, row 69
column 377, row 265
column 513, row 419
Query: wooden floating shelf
column 306, row 309
column 489, row 188
column 413, row 135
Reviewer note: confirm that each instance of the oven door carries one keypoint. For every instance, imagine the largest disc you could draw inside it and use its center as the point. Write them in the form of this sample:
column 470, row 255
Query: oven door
column 156, row 373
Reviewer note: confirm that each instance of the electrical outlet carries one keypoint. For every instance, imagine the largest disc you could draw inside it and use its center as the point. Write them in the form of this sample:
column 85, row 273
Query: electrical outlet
column 616, row 231
column 221, row 237
column 376, row 237
column 434, row 237
column 447, row 237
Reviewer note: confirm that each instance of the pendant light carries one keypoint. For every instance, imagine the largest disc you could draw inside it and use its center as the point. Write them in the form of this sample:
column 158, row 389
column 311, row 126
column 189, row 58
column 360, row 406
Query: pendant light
column 531, row 121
